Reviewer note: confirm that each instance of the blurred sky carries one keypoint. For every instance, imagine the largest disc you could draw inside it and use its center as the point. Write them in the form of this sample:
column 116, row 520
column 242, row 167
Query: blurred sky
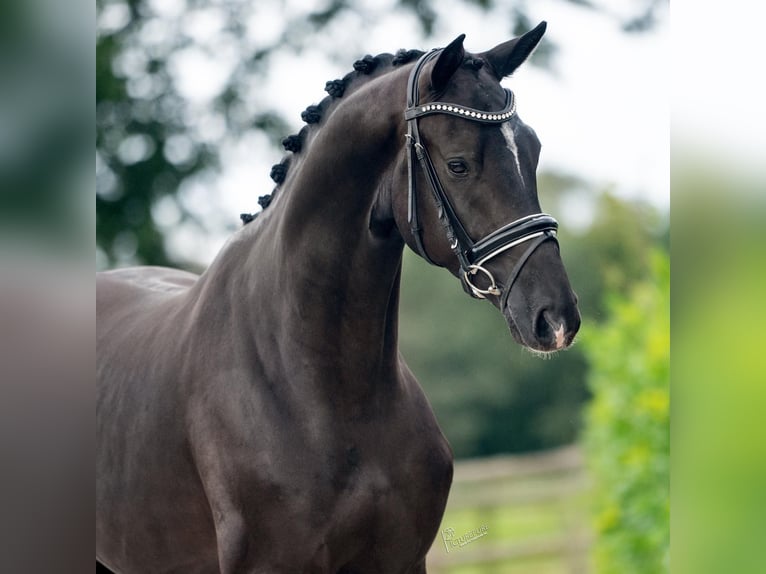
column 602, row 112
column 718, row 95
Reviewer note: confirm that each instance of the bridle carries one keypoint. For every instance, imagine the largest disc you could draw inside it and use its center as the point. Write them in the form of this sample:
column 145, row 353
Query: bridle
column 537, row 227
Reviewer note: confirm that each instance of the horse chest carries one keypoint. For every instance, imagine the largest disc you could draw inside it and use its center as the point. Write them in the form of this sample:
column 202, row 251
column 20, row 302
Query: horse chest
column 366, row 497
column 378, row 513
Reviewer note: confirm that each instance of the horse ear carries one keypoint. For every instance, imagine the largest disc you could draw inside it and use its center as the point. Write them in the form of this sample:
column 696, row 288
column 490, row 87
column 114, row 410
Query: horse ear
column 447, row 64
column 506, row 57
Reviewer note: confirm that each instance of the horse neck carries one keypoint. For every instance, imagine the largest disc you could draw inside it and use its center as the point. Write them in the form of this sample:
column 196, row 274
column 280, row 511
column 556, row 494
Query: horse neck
column 334, row 184
column 325, row 282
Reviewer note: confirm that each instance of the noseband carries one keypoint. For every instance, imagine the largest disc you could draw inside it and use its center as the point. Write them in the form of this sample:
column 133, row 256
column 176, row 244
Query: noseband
column 537, row 227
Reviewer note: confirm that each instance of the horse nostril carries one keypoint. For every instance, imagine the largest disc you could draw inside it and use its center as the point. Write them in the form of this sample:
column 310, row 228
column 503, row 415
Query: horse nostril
column 551, row 327
column 543, row 330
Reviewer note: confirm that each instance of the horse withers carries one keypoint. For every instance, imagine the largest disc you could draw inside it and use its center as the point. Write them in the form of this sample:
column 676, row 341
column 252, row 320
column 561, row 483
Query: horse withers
column 259, row 417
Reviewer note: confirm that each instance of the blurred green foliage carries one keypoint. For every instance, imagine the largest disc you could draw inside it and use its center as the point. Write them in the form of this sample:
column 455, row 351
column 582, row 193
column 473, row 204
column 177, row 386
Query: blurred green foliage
column 627, row 435
column 612, row 253
column 719, row 367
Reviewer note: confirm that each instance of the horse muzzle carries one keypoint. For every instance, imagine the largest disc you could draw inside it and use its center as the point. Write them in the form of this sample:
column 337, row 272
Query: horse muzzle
column 548, row 328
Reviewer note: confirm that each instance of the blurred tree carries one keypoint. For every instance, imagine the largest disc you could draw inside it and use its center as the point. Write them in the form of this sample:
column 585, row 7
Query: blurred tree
column 45, row 109
column 149, row 138
column 491, row 396
column 613, row 253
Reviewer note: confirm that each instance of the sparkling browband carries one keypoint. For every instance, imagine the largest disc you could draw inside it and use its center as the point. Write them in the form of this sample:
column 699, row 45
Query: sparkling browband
column 461, row 111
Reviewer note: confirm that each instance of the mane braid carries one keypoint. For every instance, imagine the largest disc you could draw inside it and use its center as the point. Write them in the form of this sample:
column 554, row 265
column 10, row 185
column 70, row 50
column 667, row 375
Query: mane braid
column 279, row 172
column 335, row 88
column 293, row 143
column 365, row 69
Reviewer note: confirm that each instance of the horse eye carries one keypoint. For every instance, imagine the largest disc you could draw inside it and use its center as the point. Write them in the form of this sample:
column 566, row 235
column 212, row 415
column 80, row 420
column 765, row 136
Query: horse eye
column 458, row 167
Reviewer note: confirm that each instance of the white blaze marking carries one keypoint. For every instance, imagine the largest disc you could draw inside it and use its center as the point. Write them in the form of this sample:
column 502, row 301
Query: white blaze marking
column 559, row 336
column 510, row 143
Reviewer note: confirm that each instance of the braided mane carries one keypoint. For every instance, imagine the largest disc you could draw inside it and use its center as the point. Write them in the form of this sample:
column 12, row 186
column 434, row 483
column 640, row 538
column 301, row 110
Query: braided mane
column 365, row 69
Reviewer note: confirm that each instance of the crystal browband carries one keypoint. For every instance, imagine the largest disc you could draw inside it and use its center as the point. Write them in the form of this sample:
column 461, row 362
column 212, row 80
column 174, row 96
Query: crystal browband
column 462, row 111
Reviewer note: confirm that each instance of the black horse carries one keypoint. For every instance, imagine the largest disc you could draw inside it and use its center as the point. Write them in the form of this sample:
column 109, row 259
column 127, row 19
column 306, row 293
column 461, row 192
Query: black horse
column 259, row 417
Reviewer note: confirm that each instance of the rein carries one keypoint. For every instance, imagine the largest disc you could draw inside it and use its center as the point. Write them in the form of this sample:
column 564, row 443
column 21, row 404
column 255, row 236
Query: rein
column 537, row 227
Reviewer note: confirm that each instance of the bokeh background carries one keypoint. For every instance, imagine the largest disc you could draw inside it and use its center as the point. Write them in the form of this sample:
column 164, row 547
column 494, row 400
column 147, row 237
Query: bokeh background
column 566, row 460
column 608, row 481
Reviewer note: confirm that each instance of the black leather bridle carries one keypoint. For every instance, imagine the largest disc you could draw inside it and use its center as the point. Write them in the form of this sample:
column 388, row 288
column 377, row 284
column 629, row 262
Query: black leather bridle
column 537, row 227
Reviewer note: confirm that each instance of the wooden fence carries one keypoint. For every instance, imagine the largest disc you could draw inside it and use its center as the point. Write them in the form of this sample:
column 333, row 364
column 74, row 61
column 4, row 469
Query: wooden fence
column 519, row 514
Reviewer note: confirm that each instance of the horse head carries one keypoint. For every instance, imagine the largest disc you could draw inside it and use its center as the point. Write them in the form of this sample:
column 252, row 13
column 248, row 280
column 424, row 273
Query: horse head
column 465, row 192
